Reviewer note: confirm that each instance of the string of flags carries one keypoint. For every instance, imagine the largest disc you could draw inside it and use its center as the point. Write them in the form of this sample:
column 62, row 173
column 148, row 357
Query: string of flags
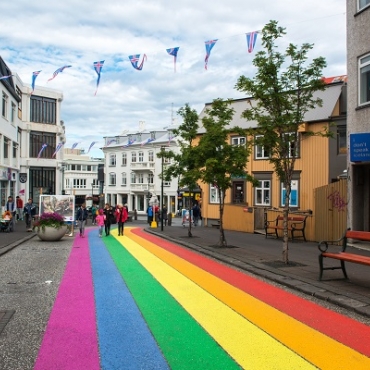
column 251, row 38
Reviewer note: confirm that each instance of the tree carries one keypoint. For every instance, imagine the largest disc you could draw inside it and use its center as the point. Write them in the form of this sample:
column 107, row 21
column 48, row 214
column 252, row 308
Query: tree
column 283, row 93
column 184, row 163
column 217, row 160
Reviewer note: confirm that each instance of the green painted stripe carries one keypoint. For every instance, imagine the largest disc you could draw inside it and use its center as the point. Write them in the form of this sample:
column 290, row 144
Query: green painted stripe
column 182, row 340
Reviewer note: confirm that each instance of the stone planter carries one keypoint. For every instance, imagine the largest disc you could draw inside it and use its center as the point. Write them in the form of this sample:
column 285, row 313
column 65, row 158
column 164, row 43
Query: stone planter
column 51, row 233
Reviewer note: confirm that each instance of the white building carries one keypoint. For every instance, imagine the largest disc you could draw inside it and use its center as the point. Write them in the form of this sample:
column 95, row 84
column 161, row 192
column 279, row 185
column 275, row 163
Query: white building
column 132, row 170
column 29, row 121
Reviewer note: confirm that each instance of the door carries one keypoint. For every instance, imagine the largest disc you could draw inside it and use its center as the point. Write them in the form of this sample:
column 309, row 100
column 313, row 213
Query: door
column 238, row 192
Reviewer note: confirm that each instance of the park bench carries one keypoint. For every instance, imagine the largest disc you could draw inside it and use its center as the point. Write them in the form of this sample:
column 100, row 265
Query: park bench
column 296, row 224
column 343, row 256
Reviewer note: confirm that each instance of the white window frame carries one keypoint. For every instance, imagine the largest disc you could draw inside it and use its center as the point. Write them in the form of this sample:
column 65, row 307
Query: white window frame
column 259, row 151
column 214, row 195
column 363, row 66
column 112, row 160
column 238, row 140
column 133, row 157
column 140, row 178
column 133, row 178
column 293, row 152
column 124, row 179
column 362, row 4
column 294, row 194
column 151, row 155
column 124, row 160
column 141, row 157
column 4, row 109
column 150, row 178
column 112, row 179
column 12, row 113
column 265, row 193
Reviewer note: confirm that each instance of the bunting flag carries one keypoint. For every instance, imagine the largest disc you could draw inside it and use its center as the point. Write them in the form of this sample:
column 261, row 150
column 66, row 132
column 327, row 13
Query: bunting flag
column 74, row 145
column 110, row 142
column 98, row 67
column 209, row 45
column 91, row 145
column 134, row 59
column 59, row 70
column 251, row 40
column 147, row 141
column 171, row 136
column 173, row 52
column 4, row 77
column 34, row 76
column 41, row 150
column 59, row 146
column 130, row 142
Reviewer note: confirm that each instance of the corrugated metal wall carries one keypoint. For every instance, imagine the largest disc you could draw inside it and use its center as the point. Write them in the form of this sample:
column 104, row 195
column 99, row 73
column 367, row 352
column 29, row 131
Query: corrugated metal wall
column 330, row 210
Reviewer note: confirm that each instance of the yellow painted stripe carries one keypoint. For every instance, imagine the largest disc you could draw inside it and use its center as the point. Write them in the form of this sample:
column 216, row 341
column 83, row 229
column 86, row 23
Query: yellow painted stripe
column 250, row 346
column 316, row 347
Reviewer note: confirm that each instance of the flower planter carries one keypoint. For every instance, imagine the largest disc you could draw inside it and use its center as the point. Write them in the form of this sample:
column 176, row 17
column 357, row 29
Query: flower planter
column 49, row 233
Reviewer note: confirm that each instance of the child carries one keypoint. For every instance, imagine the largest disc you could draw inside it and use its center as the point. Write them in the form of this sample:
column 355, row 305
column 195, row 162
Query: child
column 100, row 218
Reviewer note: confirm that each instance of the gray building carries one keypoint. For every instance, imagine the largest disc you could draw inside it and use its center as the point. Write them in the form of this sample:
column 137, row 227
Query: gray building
column 358, row 113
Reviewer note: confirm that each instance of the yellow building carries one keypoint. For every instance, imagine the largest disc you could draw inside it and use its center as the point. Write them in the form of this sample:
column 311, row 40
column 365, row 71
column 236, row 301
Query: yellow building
column 320, row 161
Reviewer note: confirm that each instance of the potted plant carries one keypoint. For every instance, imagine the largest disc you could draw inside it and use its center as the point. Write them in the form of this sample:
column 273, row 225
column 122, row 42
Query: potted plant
column 50, row 226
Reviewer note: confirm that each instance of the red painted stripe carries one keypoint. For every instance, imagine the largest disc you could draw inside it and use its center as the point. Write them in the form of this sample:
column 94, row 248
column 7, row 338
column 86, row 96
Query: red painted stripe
column 341, row 328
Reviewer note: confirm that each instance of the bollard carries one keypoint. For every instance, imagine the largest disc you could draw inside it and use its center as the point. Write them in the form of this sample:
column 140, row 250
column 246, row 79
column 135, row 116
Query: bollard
column 135, row 214
column 153, row 225
column 169, row 217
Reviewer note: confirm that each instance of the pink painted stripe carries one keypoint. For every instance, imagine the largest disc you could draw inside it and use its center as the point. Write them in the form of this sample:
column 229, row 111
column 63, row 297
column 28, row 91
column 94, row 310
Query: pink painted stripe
column 70, row 341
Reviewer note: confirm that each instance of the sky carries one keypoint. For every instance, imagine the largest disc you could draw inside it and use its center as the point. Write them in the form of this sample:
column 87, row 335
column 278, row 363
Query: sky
column 46, row 35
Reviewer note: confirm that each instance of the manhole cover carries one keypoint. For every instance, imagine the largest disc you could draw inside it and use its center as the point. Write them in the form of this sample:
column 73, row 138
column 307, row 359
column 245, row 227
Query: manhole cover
column 5, row 316
column 281, row 264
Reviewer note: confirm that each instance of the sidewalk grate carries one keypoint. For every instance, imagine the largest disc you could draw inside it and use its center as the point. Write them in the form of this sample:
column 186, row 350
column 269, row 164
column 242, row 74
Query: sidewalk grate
column 5, row 316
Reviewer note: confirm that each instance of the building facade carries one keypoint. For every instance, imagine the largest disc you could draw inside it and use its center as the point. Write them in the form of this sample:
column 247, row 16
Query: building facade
column 132, row 171
column 358, row 70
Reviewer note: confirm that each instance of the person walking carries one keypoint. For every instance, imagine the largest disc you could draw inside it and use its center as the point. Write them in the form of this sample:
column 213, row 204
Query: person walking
column 149, row 212
column 100, row 221
column 196, row 214
column 29, row 212
column 81, row 217
column 94, row 213
column 11, row 206
column 121, row 217
column 20, row 206
column 164, row 215
column 109, row 217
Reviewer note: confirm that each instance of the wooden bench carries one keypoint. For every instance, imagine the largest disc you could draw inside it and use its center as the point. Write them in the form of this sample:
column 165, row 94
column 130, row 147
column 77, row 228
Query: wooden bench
column 296, row 224
column 343, row 256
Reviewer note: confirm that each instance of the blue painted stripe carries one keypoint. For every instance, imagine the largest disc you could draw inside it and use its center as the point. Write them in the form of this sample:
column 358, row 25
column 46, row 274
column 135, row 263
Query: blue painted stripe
column 125, row 342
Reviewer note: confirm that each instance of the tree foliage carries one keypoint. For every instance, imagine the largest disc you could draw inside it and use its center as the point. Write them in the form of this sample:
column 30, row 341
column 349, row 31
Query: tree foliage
column 284, row 91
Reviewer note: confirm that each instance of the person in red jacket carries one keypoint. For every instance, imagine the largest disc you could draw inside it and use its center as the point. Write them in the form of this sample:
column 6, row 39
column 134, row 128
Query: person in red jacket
column 121, row 217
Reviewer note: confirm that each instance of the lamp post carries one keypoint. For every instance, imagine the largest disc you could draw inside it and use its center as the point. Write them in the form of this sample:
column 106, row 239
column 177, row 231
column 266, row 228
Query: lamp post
column 161, row 208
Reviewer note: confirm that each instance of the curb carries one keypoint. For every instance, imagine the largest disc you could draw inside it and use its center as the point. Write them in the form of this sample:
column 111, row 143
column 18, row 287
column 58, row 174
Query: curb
column 7, row 248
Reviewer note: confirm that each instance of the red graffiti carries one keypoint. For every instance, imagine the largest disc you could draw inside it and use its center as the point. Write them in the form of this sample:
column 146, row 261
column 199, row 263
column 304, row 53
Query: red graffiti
column 337, row 201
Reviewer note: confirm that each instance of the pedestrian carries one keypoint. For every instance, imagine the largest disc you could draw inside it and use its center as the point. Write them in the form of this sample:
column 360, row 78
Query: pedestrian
column 29, row 212
column 100, row 221
column 196, row 214
column 81, row 217
column 164, row 215
column 20, row 206
column 94, row 213
column 11, row 206
column 121, row 217
column 109, row 218
column 149, row 212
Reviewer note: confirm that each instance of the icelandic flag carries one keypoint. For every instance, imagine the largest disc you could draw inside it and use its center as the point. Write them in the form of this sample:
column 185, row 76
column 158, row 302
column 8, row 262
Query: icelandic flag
column 74, row 145
column 251, row 40
column 173, row 52
column 134, row 59
column 4, row 77
column 59, row 70
column 34, row 76
column 59, row 146
column 209, row 45
column 41, row 150
column 91, row 145
column 98, row 67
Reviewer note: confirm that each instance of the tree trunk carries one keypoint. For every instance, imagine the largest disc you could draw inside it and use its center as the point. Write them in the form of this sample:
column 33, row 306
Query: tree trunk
column 222, row 241
column 285, row 253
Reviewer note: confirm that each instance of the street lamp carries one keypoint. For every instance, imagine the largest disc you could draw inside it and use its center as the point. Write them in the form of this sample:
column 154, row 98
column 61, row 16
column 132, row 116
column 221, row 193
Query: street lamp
column 161, row 208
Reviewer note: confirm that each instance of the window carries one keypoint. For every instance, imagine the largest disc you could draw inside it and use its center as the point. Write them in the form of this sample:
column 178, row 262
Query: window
column 140, row 178
column 112, row 160
column 141, row 156
column 4, row 109
column 364, row 79
column 293, row 149
column 37, row 139
column 124, row 160
column 151, row 156
column 238, row 140
column 133, row 178
column 259, row 151
column 112, row 179
column 6, row 147
column 43, row 110
column 124, row 179
column 150, row 178
column 133, row 157
column 363, row 3
column 12, row 113
column 342, row 140
column 79, row 183
column 214, row 194
column 263, row 193
column 15, row 149
column 294, row 196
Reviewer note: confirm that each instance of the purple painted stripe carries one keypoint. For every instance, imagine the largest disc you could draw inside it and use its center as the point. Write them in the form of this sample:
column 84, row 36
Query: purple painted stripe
column 70, row 341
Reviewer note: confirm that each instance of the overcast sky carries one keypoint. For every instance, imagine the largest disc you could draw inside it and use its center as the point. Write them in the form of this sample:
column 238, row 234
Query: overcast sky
column 46, row 35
